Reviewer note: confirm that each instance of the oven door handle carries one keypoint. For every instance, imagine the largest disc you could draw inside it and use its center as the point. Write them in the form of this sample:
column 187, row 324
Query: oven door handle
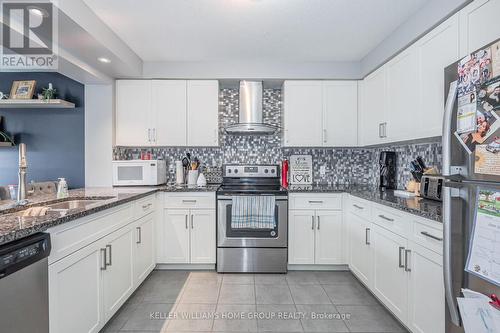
column 230, row 197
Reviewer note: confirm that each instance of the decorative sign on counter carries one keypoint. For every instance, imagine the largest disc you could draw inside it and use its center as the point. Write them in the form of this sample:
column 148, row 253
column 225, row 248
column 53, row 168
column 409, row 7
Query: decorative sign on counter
column 301, row 169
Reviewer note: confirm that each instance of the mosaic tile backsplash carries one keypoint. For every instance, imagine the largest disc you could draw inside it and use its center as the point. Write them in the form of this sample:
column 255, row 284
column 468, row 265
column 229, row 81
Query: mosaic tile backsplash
column 343, row 165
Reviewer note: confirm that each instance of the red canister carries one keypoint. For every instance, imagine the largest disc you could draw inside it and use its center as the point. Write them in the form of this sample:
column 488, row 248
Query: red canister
column 284, row 173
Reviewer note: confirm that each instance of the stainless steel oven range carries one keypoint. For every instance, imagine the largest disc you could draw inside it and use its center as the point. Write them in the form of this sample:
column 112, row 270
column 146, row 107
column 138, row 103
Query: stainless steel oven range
column 247, row 247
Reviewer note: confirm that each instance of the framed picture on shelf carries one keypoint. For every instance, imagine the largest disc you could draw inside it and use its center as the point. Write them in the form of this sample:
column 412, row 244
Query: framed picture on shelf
column 22, row 89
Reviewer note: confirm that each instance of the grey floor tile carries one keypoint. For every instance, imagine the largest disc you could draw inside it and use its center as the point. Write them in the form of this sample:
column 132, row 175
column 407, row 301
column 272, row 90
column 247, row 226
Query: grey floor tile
column 321, row 318
column 205, row 275
column 369, row 318
column 353, row 293
column 237, row 294
column 140, row 318
column 273, row 294
column 309, row 294
column 120, row 318
column 201, row 291
column 337, row 277
column 278, row 318
column 238, row 278
column 163, row 293
column 299, row 277
column 235, row 318
column 192, row 317
column 270, row 278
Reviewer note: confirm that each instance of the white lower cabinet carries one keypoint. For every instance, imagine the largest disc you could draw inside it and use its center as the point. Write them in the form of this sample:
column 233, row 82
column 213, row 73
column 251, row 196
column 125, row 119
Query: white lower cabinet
column 315, row 237
column 426, row 311
column 360, row 260
column 144, row 250
column 187, row 237
column 390, row 280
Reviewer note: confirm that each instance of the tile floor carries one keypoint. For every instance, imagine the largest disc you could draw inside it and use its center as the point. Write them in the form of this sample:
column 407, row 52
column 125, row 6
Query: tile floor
column 179, row 301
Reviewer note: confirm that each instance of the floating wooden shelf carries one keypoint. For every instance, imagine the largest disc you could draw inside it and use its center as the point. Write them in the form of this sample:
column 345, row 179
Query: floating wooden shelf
column 36, row 103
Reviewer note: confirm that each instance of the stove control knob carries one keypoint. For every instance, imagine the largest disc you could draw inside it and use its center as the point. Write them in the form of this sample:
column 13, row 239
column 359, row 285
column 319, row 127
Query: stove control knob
column 235, row 170
column 228, row 170
column 266, row 171
column 273, row 170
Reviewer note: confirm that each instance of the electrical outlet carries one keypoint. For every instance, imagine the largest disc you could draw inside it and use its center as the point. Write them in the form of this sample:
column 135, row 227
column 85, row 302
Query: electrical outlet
column 322, row 170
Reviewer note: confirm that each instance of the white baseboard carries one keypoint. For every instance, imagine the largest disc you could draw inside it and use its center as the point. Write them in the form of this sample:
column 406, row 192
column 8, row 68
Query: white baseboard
column 187, row 267
column 318, row 267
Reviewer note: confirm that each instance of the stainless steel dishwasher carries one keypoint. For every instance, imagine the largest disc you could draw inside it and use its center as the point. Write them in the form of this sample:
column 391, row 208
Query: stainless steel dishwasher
column 24, row 305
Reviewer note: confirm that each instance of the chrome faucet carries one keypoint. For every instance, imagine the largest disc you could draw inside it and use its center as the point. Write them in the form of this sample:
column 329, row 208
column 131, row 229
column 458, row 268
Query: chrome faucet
column 23, row 166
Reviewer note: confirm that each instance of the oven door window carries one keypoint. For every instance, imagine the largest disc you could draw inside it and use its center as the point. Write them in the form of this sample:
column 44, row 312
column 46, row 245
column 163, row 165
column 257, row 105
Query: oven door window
column 250, row 233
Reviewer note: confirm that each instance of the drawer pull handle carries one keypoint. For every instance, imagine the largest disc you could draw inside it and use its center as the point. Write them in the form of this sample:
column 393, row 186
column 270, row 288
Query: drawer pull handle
column 367, row 236
column 186, row 221
column 192, row 223
column 139, row 235
column 189, row 201
column 386, row 218
column 315, row 201
column 358, row 207
column 401, row 265
column 407, row 267
column 103, row 259
column 110, row 263
column 426, row 234
column 318, row 223
column 147, row 206
column 312, row 222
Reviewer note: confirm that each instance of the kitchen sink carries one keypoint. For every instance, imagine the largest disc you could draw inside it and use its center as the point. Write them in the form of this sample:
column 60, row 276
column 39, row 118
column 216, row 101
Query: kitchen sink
column 42, row 209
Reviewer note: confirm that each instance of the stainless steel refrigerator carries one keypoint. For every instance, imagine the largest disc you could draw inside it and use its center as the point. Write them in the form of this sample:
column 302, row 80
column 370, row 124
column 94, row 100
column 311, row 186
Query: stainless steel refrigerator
column 466, row 170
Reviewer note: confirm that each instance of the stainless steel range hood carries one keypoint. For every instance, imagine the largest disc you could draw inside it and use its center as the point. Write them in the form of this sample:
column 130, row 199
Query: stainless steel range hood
column 250, row 116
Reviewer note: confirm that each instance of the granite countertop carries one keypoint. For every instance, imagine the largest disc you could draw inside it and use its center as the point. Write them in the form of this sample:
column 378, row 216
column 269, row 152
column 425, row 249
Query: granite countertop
column 426, row 208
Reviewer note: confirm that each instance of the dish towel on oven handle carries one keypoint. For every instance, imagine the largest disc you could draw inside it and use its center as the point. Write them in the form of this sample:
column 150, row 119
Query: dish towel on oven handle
column 253, row 212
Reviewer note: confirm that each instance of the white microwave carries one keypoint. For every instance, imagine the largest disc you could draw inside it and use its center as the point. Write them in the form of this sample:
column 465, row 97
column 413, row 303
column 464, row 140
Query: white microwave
column 139, row 172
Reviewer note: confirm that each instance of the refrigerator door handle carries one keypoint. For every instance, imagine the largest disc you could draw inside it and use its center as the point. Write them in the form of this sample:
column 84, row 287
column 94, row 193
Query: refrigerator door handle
column 447, row 268
column 447, row 121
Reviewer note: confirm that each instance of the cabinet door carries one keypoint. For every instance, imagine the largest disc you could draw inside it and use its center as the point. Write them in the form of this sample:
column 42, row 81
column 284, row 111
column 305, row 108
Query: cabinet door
column 202, row 223
column 118, row 280
column 144, row 256
column 301, row 231
column 174, row 243
column 390, row 280
column 203, row 113
column 372, row 115
column 340, row 113
column 436, row 50
column 303, row 112
column 328, row 237
column 169, row 112
column 75, row 291
column 478, row 25
column 133, row 113
column 426, row 291
column 402, row 92
column 360, row 248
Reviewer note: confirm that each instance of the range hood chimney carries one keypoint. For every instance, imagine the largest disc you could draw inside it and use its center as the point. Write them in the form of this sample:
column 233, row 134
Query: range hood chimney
column 250, row 115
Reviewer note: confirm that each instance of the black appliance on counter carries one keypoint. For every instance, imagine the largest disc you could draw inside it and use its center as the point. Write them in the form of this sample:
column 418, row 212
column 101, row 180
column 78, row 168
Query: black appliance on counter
column 387, row 162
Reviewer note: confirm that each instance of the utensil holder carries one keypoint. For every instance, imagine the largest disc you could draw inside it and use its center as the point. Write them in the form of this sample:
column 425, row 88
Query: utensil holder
column 192, row 177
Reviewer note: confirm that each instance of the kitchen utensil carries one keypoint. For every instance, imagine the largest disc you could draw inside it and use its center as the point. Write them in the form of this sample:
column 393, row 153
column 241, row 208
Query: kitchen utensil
column 179, row 172
column 420, row 162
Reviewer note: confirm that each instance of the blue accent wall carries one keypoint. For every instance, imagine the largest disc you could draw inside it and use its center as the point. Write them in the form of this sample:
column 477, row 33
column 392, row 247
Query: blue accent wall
column 55, row 138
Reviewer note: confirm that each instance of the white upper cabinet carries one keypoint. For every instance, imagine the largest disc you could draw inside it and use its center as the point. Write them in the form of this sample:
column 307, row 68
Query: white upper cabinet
column 133, row 113
column 169, row 112
column 166, row 113
column 302, row 112
column 478, row 25
column 372, row 116
column 436, row 50
column 202, row 113
column 402, row 94
column 320, row 113
column 340, row 113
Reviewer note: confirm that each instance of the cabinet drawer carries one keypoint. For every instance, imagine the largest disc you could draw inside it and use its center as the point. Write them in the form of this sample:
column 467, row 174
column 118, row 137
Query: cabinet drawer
column 359, row 207
column 332, row 201
column 144, row 206
column 190, row 200
column 428, row 237
column 391, row 219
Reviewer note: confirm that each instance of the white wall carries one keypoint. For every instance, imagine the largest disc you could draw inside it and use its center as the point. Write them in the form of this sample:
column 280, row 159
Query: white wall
column 99, row 134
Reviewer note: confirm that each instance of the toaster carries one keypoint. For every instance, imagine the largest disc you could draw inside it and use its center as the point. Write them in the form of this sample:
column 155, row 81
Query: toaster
column 431, row 187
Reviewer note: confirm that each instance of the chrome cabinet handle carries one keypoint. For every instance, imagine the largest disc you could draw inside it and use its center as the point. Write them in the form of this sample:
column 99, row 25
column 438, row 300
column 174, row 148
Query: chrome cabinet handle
column 324, row 135
column 149, row 134
column 318, row 222
column 358, row 207
column 192, row 223
column 139, row 235
column 189, row 201
column 367, row 236
column 315, row 201
column 384, row 130
column 110, row 263
column 103, row 260
column 386, row 218
column 312, row 222
column 407, row 253
column 380, row 130
column 186, row 221
column 215, row 135
column 154, row 134
column 425, row 233
column 146, row 206
column 401, row 265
